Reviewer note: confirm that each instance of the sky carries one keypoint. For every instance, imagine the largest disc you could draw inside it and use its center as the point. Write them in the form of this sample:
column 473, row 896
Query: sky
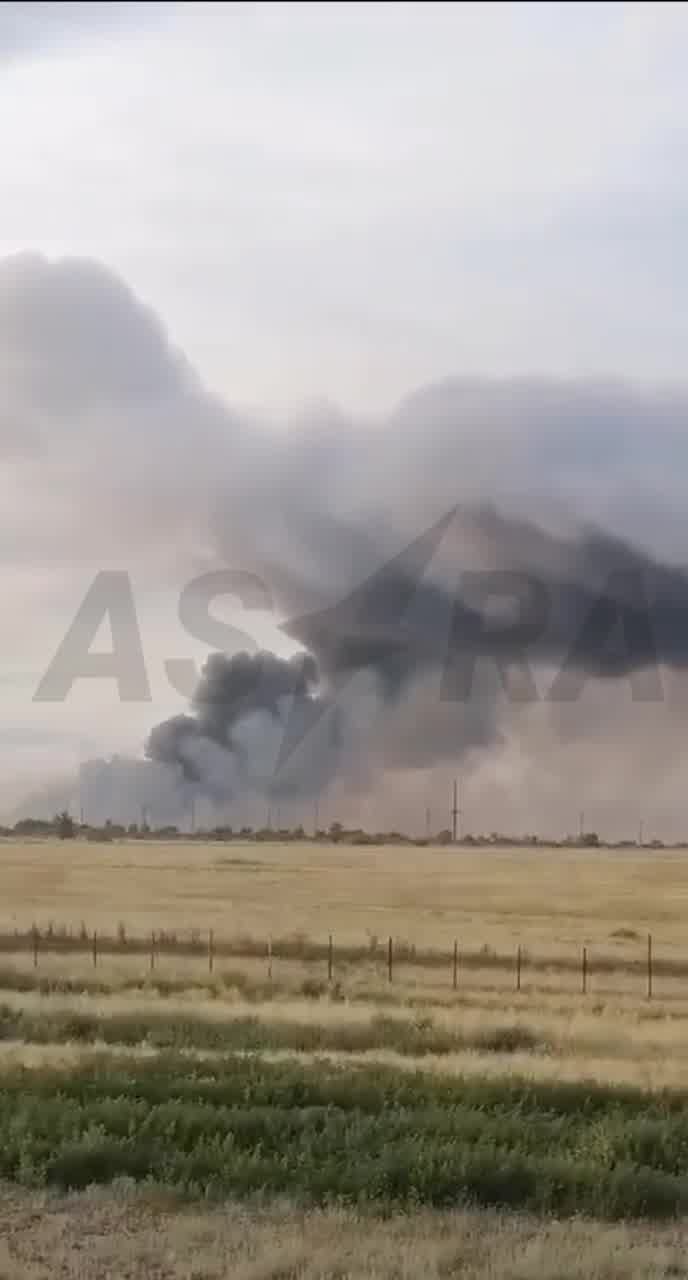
column 346, row 201
column 213, row 216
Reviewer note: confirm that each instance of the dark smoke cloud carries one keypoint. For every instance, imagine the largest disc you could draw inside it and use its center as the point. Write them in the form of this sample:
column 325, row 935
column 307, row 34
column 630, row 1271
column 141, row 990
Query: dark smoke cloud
column 592, row 603
column 565, row 501
column 593, row 606
column 240, row 711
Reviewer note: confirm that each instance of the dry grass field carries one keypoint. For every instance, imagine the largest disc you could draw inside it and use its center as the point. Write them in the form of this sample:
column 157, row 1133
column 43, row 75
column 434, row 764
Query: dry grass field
column 489, row 1117
column 548, row 899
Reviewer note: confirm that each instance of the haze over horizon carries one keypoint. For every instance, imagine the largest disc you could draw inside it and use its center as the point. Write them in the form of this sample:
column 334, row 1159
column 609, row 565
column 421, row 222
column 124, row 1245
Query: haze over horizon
column 279, row 328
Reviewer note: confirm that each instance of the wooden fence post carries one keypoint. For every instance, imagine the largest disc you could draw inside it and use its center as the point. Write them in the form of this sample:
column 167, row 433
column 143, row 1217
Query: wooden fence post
column 330, row 959
column 210, row 951
column 95, row 949
column 455, row 972
column 584, row 971
column 518, row 968
column 649, row 966
column 389, row 960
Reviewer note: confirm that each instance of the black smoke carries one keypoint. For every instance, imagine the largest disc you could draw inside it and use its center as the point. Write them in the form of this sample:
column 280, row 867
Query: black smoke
column 422, row 647
column 591, row 603
column 240, row 712
column 591, row 606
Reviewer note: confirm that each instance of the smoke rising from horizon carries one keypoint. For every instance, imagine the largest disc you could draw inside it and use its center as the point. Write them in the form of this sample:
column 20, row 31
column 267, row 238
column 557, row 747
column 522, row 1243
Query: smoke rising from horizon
column 233, row 737
column 487, row 533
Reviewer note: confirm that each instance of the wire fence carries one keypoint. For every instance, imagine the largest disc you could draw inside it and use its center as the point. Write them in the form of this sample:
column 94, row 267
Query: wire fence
column 582, row 969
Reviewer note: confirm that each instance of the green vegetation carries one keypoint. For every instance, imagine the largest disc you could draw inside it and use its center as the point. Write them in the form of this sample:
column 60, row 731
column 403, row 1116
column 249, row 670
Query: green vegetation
column 336, row 834
column 242, row 1126
column 250, row 1034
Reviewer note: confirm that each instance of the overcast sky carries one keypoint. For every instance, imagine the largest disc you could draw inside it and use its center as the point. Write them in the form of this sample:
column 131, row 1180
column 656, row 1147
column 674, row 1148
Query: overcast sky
column 347, row 200
column 322, row 208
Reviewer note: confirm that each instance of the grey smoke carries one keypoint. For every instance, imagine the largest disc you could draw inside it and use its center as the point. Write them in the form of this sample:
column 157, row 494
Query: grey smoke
column 588, row 607
column 233, row 737
column 572, row 491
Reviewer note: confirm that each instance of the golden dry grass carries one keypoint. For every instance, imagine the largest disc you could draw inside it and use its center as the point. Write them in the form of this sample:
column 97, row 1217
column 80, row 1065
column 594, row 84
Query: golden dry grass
column 551, row 900
column 107, row 1234
column 611, row 1034
column 615, row 1042
column 648, row 1075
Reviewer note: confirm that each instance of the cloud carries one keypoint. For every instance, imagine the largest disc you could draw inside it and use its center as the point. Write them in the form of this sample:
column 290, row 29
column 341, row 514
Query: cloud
column 34, row 28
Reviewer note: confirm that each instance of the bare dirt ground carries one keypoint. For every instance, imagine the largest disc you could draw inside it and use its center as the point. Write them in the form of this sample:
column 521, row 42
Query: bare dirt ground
column 125, row 1235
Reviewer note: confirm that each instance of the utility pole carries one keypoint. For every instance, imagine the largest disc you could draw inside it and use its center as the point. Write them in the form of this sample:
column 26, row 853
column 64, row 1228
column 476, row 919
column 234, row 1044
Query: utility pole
column 640, row 832
column 193, row 814
column 455, row 812
column 316, row 817
column 427, row 823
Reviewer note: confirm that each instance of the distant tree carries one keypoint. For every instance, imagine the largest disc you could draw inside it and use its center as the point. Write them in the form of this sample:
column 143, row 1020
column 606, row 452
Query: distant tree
column 100, row 835
column 336, row 831
column 64, row 825
column 34, row 827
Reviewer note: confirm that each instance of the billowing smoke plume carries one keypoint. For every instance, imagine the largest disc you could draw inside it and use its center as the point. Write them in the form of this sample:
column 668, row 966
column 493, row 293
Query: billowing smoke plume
column 589, row 607
column 233, row 739
column 493, row 575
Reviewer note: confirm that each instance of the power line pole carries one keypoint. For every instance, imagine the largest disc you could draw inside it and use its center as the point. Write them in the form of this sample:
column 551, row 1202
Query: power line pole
column 640, row 832
column 193, row 814
column 427, row 823
column 455, row 812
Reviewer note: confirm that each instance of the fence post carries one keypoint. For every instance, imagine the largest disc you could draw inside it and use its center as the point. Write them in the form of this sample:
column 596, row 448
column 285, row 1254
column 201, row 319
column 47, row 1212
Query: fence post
column 95, row 948
column 389, row 960
column 35, row 947
column 649, row 966
column 455, row 973
column 152, row 956
column 210, row 951
column 270, row 959
column 518, row 968
column 330, row 959
column 584, row 971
